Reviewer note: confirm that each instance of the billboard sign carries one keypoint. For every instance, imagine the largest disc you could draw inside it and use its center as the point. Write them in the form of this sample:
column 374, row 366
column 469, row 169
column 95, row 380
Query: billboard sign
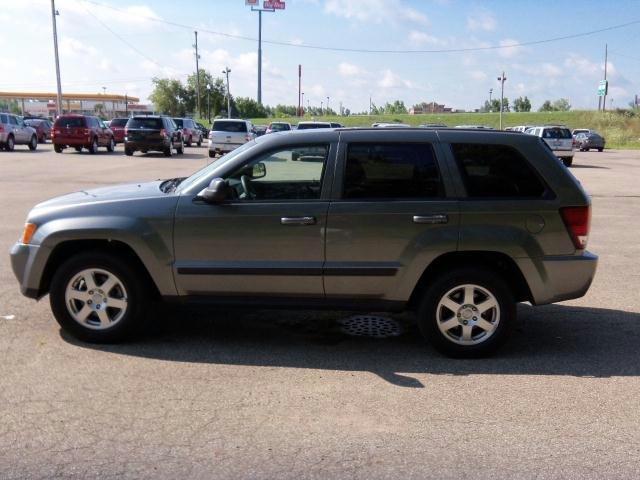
column 603, row 88
column 274, row 4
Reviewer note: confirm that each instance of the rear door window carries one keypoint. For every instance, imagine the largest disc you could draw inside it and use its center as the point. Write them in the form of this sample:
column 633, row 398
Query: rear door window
column 70, row 122
column 118, row 122
column 222, row 126
column 391, row 171
column 490, row 171
column 13, row 120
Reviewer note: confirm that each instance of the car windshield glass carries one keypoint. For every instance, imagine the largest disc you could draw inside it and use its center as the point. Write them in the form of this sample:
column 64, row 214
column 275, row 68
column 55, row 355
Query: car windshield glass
column 118, row 122
column 561, row 133
column 202, row 173
column 279, row 127
column 178, row 122
column 306, row 126
column 222, row 126
column 150, row 123
column 70, row 122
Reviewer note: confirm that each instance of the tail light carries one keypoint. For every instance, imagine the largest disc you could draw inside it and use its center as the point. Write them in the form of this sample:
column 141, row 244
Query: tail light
column 126, row 131
column 1, row 128
column 87, row 131
column 578, row 222
column 163, row 133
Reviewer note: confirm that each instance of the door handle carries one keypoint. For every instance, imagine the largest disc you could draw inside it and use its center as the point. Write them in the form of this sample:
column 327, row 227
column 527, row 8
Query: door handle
column 298, row 220
column 431, row 219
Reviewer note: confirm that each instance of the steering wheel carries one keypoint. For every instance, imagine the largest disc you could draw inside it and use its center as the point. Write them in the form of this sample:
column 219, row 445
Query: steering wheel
column 246, row 181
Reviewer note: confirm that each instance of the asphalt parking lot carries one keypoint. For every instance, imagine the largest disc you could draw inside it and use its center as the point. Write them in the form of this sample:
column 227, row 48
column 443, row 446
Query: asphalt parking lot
column 269, row 394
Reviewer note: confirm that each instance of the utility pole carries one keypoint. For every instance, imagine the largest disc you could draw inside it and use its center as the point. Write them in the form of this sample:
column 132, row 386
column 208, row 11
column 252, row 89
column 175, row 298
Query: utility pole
column 226, row 71
column 300, row 99
column 606, row 87
column 327, row 105
column 501, row 79
column 54, row 12
column 370, row 104
column 321, row 108
column 490, row 93
column 197, row 75
column 302, row 103
column 209, row 102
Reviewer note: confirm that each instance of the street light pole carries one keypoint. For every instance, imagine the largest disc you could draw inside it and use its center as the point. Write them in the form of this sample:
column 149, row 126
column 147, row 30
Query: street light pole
column 490, row 93
column 327, row 105
column 226, row 71
column 321, row 108
column 302, row 103
column 209, row 102
column 197, row 76
column 501, row 79
column 54, row 12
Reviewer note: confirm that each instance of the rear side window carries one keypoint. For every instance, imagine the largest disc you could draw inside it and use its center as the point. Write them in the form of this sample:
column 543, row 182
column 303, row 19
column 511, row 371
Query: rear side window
column 222, row 126
column 148, row 123
column 496, row 171
column 13, row 120
column 391, row 170
column 3, row 119
column 178, row 122
column 561, row 133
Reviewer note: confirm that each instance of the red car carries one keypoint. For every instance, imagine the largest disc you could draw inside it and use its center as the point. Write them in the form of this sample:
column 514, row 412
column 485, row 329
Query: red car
column 190, row 132
column 117, row 127
column 42, row 126
column 81, row 131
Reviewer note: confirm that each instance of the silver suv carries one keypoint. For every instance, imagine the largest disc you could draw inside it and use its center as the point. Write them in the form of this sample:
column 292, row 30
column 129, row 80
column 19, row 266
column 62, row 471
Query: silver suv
column 455, row 225
column 559, row 140
column 229, row 134
column 13, row 131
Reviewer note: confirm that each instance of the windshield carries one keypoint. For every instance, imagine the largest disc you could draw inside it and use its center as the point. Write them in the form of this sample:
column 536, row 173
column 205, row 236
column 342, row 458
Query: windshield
column 203, row 172
column 145, row 122
column 225, row 126
column 307, row 126
column 280, row 127
column 178, row 122
column 118, row 122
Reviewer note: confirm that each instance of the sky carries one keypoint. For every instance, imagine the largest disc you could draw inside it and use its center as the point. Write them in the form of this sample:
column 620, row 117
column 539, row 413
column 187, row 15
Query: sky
column 121, row 45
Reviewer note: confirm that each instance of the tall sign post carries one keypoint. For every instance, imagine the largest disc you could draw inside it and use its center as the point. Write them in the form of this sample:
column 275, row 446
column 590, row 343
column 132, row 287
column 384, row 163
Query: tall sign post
column 267, row 6
column 501, row 79
column 54, row 12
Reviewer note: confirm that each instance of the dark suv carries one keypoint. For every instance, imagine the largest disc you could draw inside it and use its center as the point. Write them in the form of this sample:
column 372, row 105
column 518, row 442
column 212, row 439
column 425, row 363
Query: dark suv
column 148, row 133
column 81, row 131
column 457, row 226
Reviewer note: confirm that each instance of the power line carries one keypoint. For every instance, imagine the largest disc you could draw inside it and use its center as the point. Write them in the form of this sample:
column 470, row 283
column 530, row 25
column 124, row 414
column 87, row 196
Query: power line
column 382, row 51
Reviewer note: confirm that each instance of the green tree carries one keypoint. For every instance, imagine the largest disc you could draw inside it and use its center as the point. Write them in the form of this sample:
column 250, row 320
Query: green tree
column 169, row 96
column 397, row 107
column 249, row 108
column 562, row 105
column 217, row 94
column 521, row 104
column 546, row 107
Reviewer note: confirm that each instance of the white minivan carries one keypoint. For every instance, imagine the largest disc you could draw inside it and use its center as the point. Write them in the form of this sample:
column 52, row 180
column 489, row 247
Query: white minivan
column 559, row 140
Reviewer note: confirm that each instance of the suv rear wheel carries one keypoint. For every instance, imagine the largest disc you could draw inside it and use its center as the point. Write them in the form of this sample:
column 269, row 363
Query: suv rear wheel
column 10, row 145
column 33, row 143
column 111, row 146
column 467, row 312
column 94, row 146
column 98, row 298
column 180, row 148
column 169, row 150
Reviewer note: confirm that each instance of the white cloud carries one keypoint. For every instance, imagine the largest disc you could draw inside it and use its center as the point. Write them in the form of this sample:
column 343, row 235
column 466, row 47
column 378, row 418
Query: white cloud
column 393, row 80
column 421, row 38
column 376, row 11
column 70, row 47
column 581, row 65
column 349, row 70
column 481, row 20
column 478, row 75
column 550, row 70
column 510, row 49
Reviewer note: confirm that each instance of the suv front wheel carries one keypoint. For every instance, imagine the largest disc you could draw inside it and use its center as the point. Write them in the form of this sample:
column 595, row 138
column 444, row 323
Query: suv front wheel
column 467, row 313
column 98, row 298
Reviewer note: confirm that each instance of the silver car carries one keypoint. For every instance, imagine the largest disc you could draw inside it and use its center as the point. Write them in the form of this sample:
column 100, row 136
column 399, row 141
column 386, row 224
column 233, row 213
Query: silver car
column 559, row 140
column 13, row 131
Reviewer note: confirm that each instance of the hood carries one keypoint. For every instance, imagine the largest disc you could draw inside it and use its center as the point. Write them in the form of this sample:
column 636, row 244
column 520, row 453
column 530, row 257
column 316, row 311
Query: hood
column 130, row 191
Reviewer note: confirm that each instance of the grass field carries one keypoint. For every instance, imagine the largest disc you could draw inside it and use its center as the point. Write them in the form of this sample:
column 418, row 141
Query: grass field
column 619, row 130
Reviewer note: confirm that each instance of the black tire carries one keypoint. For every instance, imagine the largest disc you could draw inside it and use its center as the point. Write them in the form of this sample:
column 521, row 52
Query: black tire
column 199, row 142
column 128, row 152
column 567, row 162
column 600, row 149
column 33, row 143
column 169, row 150
column 180, row 149
column 188, row 144
column 57, row 148
column 77, row 149
column 486, row 279
column 10, row 145
column 138, row 297
column 93, row 148
column 43, row 138
column 111, row 146
column 212, row 154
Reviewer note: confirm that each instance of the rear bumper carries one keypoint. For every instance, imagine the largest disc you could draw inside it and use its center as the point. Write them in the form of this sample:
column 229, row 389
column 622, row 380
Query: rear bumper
column 223, row 147
column 558, row 278
column 71, row 141
column 159, row 145
column 563, row 153
column 27, row 266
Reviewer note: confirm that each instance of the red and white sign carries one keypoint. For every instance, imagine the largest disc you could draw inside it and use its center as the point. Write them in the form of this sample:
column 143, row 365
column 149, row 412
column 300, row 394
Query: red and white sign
column 275, row 4
column 253, row 3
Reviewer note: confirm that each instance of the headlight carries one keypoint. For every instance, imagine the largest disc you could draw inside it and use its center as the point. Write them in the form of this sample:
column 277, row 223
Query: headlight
column 29, row 230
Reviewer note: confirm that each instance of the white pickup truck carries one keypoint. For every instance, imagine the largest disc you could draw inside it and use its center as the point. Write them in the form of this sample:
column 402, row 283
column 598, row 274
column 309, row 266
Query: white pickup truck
column 227, row 134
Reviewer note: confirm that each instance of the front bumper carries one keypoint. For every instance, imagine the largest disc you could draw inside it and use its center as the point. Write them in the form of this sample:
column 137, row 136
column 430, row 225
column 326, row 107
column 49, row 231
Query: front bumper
column 27, row 268
column 558, row 278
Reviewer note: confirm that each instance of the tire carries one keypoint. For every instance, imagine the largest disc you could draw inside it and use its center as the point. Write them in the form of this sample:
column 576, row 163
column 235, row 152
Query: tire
column 212, row 154
column 43, row 138
column 180, row 149
column 33, row 143
column 567, row 161
column 600, row 149
column 111, row 146
column 57, row 148
column 199, row 142
column 169, row 150
column 10, row 145
column 105, row 322
column 188, row 144
column 128, row 152
column 93, row 148
column 450, row 288
column 77, row 149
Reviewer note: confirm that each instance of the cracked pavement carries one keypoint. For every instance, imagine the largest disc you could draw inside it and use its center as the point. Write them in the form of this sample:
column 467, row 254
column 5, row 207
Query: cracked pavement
column 270, row 394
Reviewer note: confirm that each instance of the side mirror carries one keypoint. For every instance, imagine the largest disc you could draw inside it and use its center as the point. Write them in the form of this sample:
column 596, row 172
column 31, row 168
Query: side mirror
column 259, row 170
column 216, row 192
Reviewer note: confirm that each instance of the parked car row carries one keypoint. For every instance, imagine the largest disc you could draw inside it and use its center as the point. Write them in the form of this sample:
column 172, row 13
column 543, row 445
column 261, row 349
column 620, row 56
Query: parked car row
column 14, row 131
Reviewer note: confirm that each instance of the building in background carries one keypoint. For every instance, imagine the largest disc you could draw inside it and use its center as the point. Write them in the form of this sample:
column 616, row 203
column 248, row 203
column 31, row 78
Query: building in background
column 432, row 107
column 106, row 106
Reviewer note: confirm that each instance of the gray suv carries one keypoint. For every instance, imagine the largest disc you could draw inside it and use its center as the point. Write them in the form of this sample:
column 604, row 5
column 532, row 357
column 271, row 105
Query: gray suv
column 456, row 225
column 13, row 131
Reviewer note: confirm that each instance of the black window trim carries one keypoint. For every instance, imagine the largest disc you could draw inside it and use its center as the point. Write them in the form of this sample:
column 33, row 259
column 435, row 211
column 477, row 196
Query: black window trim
column 547, row 195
